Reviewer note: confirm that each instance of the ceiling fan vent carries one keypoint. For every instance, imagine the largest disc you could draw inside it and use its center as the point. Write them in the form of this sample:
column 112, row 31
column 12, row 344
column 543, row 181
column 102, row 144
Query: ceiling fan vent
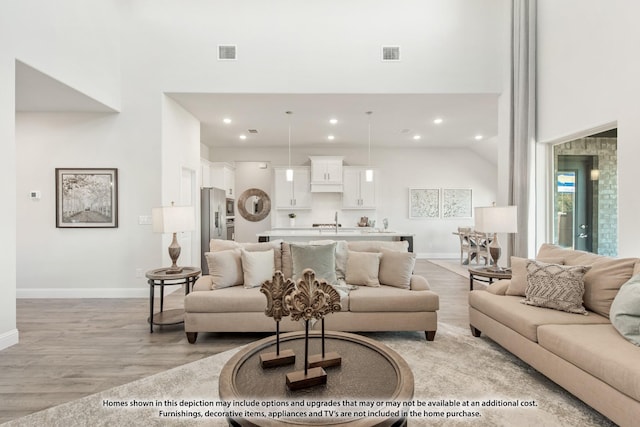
column 227, row 52
column 253, row 130
column 391, row 53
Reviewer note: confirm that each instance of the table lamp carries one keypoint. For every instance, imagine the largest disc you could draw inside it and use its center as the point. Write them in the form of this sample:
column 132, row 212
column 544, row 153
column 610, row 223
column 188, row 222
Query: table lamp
column 173, row 219
column 496, row 219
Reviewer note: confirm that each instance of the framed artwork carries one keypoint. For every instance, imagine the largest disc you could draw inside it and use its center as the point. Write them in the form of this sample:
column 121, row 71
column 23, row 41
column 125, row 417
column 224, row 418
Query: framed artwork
column 456, row 203
column 424, row 203
column 86, row 198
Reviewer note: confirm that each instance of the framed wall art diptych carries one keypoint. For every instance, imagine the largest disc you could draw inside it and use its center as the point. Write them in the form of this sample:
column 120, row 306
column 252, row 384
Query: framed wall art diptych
column 86, row 198
column 456, row 203
column 424, row 203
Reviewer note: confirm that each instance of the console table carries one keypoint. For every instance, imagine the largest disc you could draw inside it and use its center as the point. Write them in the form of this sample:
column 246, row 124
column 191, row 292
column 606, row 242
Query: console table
column 370, row 371
column 160, row 277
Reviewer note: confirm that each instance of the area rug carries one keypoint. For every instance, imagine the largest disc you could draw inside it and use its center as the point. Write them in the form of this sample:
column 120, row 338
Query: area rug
column 456, row 367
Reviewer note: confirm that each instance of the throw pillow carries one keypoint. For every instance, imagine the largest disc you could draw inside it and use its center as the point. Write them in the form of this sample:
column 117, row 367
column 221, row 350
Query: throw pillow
column 341, row 255
column 265, row 246
column 362, row 268
column 257, row 267
column 518, row 284
column 555, row 286
column 625, row 310
column 225, row 268
column 396, row 268
column 321, row 259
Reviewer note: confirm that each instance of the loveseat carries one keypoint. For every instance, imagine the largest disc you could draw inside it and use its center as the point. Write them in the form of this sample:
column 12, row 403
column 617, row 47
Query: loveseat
column 585, row 354
column 379, row 291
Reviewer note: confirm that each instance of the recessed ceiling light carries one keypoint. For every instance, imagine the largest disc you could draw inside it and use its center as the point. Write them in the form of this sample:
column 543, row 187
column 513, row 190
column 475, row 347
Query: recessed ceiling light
column 478, row 137
column 416, row 137
column 227, row 120
column 331, row 137
column 243, row 137
column 437, row 121
column 333, row 121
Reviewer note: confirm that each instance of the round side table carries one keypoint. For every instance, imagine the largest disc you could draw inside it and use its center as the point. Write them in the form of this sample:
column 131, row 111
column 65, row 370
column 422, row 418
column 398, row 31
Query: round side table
column 487, row 274
column 160, row 277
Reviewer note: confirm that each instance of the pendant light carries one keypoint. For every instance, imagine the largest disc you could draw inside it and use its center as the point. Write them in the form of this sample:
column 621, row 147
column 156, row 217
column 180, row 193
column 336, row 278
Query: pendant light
column 369, row 172
column 289, row 171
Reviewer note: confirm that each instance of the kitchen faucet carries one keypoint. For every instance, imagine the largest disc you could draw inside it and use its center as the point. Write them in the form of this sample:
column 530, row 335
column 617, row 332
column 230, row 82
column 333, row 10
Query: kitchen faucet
column 336, row 222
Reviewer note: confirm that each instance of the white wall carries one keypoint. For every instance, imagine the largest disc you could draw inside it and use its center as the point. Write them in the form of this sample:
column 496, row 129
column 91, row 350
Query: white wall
column 587, row 77
column 8, row 331
column 399, row 170
column 181, row 154
column 74, row 41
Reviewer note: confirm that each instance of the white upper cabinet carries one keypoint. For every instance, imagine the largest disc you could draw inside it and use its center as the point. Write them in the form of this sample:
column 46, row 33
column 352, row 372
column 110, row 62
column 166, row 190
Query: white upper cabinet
column 205, row 173
column 326, row 174
column 358, row 193
column 223, row 176
column 294, row 194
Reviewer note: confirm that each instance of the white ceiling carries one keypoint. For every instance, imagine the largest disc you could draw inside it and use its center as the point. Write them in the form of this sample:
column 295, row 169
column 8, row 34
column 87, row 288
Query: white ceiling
column 395, row 118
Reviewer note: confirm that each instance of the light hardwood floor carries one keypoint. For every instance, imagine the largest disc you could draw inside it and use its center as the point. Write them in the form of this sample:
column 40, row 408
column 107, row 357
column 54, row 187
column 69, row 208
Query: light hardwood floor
column 70, row 348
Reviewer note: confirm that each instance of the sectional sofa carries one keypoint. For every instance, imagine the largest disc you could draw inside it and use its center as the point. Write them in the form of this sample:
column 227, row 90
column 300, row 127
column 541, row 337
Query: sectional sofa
column 381, row 296
column 585, row 354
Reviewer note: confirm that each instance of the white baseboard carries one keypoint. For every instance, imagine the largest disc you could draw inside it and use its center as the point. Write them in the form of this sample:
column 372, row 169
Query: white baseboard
column 91, row 293
column 8, row 339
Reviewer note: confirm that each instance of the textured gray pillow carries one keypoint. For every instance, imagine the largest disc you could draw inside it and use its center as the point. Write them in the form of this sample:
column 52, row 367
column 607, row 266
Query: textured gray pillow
column 321, row 259
column 625, row 310
column 555, row 286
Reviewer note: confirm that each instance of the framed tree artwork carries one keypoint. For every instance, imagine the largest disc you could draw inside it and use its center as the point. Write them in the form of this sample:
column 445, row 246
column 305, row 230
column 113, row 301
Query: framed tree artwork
column 86, row 198
column 424, row 203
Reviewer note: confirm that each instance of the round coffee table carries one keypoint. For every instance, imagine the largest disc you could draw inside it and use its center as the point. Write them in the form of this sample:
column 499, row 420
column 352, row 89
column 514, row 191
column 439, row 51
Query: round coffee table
column 370, row 371
column 488, row 275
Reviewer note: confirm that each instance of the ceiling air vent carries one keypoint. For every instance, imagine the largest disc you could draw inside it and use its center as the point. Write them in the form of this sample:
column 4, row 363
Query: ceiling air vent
column 391, row 53
column 227, row 52
column 253, row 130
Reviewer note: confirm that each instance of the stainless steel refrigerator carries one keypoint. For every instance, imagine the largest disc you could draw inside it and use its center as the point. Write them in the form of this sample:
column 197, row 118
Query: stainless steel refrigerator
column 213, row 208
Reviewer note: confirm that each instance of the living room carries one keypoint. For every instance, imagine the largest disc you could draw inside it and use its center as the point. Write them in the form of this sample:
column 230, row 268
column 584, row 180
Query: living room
column 124, row 62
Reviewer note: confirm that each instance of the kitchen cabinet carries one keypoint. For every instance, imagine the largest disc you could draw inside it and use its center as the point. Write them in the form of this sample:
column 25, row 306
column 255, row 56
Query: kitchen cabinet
column 326, row 173
column 357, row 192
column 223, row 176
column 205, row 173
column 294, row 194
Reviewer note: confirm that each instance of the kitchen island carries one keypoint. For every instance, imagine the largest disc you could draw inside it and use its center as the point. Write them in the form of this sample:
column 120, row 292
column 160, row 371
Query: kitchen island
column 307, row 234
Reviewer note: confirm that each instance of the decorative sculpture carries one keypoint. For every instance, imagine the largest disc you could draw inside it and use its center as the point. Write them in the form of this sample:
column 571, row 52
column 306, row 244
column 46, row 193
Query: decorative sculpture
column 275, row 291
column 312, row 299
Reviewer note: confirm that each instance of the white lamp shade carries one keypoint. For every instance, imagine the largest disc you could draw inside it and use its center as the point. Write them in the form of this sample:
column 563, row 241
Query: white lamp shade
column 496, row 219
column 173, row 219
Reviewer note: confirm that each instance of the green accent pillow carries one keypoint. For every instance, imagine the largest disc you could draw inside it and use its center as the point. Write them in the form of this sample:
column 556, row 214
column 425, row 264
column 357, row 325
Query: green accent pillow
column 321, row 259
column 625, row 310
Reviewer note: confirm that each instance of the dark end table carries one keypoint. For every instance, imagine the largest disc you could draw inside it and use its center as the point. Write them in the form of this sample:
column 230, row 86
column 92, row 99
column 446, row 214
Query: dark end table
column 487, row 275
column 160, row 277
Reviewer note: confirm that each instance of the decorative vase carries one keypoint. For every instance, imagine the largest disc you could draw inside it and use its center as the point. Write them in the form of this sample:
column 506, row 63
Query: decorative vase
column 292, row 222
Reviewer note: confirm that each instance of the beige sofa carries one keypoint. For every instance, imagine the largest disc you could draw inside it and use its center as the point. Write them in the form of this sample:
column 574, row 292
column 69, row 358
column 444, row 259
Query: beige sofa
column 383, row 308
column 584, row 354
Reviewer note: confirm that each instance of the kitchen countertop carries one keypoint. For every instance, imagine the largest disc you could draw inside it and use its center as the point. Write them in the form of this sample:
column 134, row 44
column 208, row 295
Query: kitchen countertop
column 328, row 232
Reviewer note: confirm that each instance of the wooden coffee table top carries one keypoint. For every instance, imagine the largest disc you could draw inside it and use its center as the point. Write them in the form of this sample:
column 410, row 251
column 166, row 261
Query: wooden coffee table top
column 370, row 371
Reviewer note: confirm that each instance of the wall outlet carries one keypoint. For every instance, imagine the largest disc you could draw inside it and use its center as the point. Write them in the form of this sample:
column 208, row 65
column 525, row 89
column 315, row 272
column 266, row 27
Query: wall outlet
column 138, row 273
column 144, row 219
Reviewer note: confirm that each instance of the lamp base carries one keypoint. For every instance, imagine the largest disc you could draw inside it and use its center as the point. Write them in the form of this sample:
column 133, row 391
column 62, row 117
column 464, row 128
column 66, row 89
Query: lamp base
column 495, row 251
column 174, row 270
column 174, row 253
